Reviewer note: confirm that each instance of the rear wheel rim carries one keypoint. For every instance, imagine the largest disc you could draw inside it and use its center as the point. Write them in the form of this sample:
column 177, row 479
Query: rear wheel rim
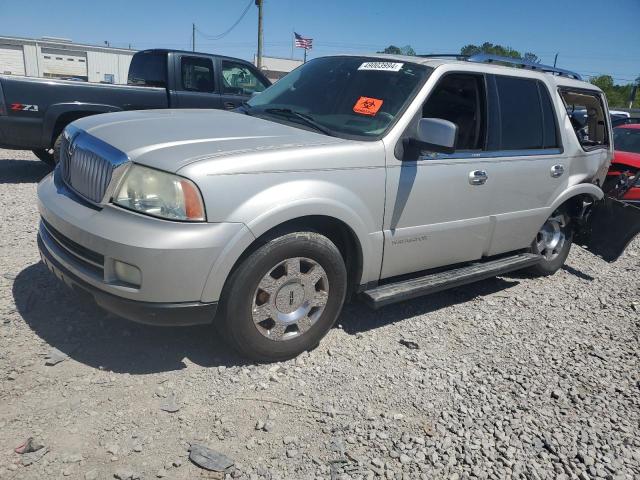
column 290, row 299
column 552, row 237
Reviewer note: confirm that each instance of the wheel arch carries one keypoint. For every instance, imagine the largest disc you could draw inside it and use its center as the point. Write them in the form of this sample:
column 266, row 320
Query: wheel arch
column 574, row 197
column 337, row 230
column 60, row 115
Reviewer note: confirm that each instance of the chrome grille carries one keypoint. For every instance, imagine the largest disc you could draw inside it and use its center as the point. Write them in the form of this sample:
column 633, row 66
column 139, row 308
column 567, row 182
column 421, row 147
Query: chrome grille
column 88, row 173
column 88, row 164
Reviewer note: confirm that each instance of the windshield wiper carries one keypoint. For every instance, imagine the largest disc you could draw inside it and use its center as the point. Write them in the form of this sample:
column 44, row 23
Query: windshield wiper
column 308, row 119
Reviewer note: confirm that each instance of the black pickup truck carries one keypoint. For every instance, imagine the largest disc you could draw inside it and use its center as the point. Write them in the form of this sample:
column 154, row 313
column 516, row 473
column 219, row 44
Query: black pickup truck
column 34, row 111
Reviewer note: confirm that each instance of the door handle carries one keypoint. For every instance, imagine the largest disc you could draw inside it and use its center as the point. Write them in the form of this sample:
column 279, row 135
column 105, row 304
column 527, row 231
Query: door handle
column 557, row 170
column 478, row 177
column 229, row 105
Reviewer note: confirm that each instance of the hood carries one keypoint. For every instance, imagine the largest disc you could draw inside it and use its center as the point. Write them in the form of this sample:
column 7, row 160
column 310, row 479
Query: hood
column 171, row 139
column 629, row 159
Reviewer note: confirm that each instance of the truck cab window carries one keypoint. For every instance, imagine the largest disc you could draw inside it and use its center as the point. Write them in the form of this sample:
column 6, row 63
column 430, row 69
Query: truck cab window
column 148, row 70
column 238, row 79
column 460, row 98
column 197, row 74
column 588, row 118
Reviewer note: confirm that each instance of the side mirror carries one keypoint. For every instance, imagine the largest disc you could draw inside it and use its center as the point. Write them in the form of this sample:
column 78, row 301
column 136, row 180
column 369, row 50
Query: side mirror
column 437, row 135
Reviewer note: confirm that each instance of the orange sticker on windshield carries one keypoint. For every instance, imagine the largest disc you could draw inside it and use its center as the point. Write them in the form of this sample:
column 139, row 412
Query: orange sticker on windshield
column 367, row 106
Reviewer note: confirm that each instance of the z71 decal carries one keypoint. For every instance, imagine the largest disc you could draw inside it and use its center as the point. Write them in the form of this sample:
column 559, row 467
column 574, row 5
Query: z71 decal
column 23, row 107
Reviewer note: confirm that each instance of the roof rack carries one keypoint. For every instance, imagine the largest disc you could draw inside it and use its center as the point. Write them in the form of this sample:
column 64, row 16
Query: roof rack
column 489, row 58
column 459, row 56
column 518, row 62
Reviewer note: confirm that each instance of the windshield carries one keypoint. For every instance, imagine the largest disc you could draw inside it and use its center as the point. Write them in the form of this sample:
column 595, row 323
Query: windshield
column 626, row 139
column 354, row 97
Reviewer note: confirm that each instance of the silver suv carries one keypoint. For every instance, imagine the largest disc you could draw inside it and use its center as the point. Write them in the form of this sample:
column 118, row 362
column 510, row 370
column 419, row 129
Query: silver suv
column 382, row 177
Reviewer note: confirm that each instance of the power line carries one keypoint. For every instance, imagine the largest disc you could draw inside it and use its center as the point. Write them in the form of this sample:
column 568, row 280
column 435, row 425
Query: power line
column 226, row 32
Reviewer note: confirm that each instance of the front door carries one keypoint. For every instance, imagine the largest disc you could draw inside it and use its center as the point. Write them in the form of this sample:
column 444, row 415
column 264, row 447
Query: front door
column 239, row 81
column 436, row 210
column 196, row 85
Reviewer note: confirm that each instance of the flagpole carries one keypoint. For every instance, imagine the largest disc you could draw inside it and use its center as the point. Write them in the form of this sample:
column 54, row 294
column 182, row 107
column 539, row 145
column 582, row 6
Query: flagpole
column 293, row 40
column 305, row 56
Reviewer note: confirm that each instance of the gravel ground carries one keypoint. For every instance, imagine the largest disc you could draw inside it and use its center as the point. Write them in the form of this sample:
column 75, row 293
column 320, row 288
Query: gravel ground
column 511, row 378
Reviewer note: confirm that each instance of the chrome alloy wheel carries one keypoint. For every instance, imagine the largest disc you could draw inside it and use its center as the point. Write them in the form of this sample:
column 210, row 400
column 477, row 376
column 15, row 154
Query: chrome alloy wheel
column 552, row 237
column 290, row 298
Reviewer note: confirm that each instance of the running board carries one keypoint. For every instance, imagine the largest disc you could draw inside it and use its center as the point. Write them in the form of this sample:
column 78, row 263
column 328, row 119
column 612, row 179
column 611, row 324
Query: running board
column 436, row 282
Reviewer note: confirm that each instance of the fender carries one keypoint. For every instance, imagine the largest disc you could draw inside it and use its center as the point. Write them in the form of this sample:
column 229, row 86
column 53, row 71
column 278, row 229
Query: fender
column 56, row 110
column 579, row 189
column 370, row 243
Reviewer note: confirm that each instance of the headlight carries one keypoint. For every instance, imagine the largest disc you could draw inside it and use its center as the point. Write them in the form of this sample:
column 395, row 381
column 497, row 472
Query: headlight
column 160, row 194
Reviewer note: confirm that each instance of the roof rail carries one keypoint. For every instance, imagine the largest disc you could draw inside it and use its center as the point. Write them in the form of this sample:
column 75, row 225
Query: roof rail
column 458, row 56
column 489, row 58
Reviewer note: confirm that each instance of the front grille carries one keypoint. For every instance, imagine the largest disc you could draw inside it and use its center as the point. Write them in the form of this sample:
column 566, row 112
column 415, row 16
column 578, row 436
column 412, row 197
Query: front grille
column 86, row 257
column 88, row 173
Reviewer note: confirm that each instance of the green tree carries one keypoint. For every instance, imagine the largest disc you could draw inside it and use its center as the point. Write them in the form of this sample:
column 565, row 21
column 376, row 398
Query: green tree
column 393, row 50
column 617, row 95
column 490, row 48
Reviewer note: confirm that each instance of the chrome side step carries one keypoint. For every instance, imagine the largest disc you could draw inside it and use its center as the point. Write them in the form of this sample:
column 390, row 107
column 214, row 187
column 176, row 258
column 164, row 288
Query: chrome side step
column 436, row 282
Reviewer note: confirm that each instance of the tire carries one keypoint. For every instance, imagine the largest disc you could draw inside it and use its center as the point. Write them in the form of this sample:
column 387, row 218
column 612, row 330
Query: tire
column 556, row 228
column 46, row 155
column 284, row 297
column 50, row 156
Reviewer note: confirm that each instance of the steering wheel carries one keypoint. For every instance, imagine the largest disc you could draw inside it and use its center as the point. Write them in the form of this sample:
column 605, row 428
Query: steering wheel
column 386, row 116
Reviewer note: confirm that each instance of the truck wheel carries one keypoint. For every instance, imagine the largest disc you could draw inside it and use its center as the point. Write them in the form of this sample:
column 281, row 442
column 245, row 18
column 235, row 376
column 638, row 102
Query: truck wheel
column 284, row 297
column 46, row 155
column 50, row 156
column 552, row 243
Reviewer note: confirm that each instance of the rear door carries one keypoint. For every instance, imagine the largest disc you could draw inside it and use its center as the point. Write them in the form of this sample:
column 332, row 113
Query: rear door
column 528, row 167
column 610, row 227
column 238, row 82
column 195, row 83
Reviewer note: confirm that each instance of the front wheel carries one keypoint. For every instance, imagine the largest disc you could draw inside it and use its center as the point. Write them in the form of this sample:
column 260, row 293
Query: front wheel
column 284, row 297
column 50, row 156
column 552, row 243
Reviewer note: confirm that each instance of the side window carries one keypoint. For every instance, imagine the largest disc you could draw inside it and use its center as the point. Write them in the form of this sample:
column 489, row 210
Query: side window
column 587, row 115
column 521, row 118
column 197, row 74
column 148, row 70
column 239, row 79
column 460, row 98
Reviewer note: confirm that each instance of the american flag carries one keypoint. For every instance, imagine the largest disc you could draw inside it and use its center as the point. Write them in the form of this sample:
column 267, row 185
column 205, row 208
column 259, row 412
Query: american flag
column 301, row 42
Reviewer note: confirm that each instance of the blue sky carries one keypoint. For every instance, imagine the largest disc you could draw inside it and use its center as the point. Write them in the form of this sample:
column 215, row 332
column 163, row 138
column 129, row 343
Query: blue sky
column 591, row 36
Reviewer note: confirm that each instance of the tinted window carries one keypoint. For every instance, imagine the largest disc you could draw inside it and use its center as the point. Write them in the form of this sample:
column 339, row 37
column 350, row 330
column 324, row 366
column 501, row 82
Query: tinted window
column 549, row 126
column 197, row 74
column 148, row 70
column 238, row 79
column 521, row 122
column 460, row 99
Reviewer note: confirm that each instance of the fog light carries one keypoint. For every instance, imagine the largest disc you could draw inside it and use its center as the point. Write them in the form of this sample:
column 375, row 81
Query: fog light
column 127, row 273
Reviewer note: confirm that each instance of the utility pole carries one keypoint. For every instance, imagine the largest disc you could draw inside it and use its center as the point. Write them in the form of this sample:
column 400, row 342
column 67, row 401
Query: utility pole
column 555, row 59
column 193, row 37
column 259, row 59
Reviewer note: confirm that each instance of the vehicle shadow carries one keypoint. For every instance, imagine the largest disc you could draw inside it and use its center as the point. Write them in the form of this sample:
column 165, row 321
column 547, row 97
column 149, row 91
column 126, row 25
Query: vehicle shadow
column 73, row 324
column 22, row 171
column 357, row 318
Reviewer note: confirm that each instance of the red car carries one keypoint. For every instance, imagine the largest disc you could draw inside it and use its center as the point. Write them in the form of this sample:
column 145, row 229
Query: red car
column 626, row 141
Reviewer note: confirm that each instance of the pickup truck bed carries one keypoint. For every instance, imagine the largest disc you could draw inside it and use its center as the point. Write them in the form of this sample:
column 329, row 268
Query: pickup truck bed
column 34, row 111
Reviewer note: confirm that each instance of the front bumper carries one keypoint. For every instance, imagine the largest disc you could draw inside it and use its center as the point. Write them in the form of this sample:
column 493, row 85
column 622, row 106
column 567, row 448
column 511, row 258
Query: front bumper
column 82, row 242
column 150, row 313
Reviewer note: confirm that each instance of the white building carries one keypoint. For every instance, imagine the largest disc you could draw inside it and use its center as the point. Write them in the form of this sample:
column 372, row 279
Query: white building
column 274, row 68
column 61, row 58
